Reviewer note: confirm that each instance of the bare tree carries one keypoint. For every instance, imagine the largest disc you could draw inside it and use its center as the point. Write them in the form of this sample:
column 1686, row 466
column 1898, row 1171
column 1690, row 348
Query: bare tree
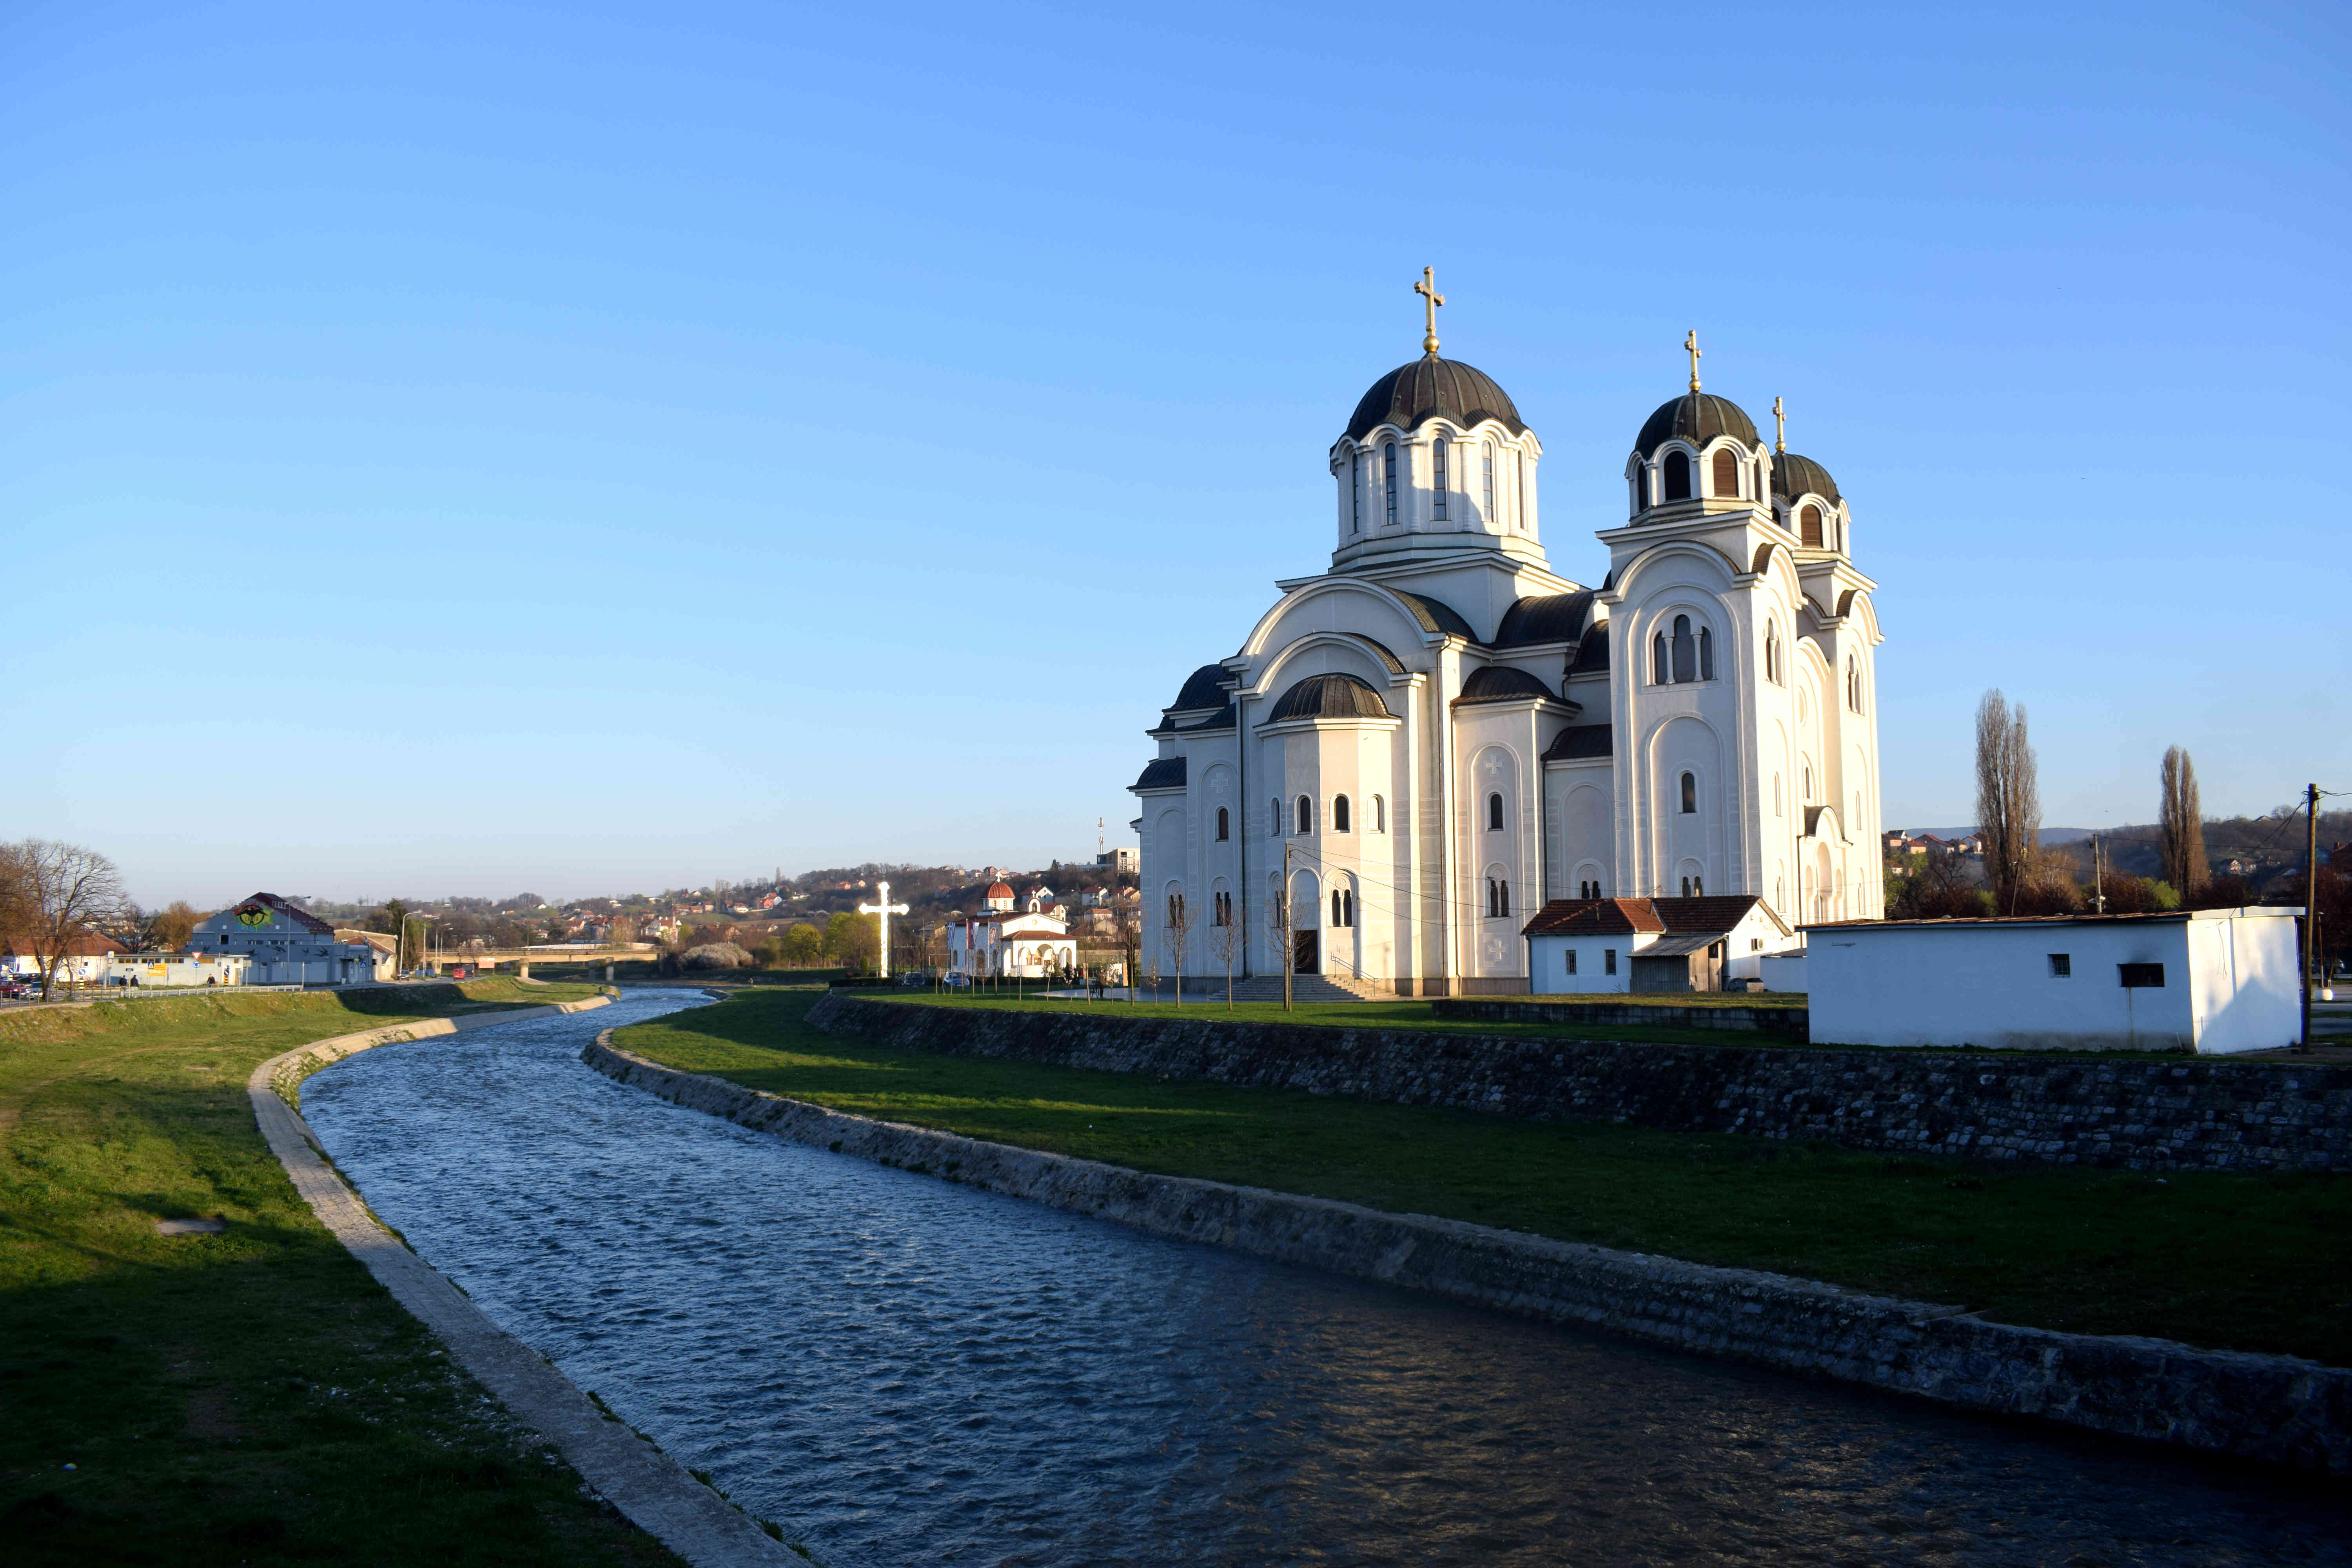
column 2009, row 798
column 1228, row 941
column 1178, row 934
column 67, row 891
column 1126, row 920
column 2181, row 826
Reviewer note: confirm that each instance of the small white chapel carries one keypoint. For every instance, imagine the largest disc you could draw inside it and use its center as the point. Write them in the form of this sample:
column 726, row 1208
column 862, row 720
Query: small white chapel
column 1440, row 733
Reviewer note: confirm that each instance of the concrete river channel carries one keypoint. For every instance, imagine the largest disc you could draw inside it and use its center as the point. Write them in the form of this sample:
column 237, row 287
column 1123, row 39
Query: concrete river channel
column 900, row 1370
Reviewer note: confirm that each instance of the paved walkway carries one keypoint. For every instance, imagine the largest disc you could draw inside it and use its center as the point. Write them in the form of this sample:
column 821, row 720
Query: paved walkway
column 630, row 1473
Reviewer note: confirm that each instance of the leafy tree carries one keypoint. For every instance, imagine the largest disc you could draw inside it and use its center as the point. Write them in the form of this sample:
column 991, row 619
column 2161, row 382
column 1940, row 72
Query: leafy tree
column 167, row 929
column 802, row 946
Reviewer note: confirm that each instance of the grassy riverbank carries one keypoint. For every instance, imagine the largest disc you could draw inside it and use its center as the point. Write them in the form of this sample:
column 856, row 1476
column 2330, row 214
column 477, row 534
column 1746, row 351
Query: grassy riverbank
column 250, row 1397
column 2253, row 1262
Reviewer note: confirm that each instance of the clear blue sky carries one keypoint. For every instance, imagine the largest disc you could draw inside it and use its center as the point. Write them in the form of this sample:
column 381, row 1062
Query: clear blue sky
column 471, row 448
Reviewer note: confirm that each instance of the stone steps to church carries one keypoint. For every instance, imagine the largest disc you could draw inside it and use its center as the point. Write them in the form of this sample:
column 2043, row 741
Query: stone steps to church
column 1306, row 988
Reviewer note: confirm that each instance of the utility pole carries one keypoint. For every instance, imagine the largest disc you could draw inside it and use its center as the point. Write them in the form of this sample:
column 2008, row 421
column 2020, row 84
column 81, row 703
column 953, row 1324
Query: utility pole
column 2310, row 900
column 2098, row 877
column 1289, row 943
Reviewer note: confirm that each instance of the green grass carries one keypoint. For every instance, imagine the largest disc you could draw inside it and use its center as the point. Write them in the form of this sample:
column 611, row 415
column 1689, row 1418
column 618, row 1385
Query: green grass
column 251, row 1397
column 1403, row 1013
column 2253, row 1262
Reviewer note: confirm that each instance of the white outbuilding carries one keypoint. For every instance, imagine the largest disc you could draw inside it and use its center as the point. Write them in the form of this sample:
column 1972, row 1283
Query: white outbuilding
column 2209, row 981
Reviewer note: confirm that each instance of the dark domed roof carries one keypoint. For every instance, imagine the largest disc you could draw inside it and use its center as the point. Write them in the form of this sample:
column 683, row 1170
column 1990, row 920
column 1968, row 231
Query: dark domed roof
column 1329, row 696
column 1204, row 687
column 1501, row 683
column 1793, row 476
column 1549, row 617
column 1428, row 387
column 1697, row 417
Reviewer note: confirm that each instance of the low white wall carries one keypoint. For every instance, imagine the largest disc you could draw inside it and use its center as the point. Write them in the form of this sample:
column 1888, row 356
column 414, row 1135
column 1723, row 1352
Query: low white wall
column 1783, row 971
column 1996, row 983
column 1549, row 956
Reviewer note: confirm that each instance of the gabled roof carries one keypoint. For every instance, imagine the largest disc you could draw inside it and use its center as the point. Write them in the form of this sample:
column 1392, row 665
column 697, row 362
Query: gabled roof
column 1594, row 917
column 1703, row 920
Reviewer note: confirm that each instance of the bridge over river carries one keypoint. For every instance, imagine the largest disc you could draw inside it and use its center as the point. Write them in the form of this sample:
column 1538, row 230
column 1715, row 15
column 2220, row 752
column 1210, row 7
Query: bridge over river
column 900, row 1370
column 522, row 958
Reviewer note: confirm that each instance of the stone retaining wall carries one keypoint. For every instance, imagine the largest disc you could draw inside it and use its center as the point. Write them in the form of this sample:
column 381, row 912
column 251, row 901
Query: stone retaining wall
column 2273, row 1409
column 2159, row 1113
column 1790, row 1023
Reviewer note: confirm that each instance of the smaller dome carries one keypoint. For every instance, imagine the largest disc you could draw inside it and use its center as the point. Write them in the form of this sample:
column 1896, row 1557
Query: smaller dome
column 1329, row 696
column 1204, row 687
column 999, row 891
column 1696, row 417
column 1411, row 394
column 1793, row 476
column 1501, row 683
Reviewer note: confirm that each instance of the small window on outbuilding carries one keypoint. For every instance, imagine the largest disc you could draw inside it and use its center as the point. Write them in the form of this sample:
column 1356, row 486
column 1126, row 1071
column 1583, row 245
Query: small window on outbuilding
column 2062, row 966
column 1609, row 961
column 1572, row 961
column 1727, row 474
column 2142, row 976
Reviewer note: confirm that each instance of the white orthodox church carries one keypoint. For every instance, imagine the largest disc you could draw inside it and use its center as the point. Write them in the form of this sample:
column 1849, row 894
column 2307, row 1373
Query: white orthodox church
column 1444, row 733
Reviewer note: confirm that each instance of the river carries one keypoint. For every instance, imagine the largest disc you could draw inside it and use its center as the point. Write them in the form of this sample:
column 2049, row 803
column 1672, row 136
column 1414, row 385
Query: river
column 900, row 1370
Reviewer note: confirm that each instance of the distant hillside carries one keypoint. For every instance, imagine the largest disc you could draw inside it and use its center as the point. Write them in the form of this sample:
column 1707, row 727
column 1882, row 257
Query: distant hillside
column 2269, row 845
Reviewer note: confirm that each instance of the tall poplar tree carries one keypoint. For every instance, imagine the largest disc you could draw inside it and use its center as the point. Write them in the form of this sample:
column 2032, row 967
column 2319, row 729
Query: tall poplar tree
column 2008, row 797
column 2181, row 826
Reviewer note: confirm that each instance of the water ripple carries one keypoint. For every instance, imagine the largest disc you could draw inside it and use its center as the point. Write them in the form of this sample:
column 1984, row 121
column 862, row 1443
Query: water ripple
column 912, row 1372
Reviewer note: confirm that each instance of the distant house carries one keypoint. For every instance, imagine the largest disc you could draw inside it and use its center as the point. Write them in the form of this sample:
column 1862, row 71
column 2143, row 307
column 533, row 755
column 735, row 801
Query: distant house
column 1120, row 859
column 84, row 962
column 285, row 945
column 1582, row 946
column 385, row 946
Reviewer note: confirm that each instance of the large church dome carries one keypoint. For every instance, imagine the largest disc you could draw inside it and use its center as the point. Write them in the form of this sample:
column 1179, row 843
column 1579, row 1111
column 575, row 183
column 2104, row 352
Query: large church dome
column 1430, row 387
column 1696, row 417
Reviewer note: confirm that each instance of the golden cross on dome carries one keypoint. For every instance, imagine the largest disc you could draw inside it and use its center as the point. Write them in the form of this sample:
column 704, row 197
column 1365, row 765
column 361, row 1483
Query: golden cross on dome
column 1781, row 440
column 1427, row 289
column 1691, row 342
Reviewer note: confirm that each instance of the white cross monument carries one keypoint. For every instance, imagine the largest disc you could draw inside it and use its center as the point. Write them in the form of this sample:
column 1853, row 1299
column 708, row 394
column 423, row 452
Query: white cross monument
column 885, row 909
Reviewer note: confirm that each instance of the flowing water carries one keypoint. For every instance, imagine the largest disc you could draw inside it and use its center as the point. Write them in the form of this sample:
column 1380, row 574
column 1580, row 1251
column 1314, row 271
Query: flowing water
column 903, row 1371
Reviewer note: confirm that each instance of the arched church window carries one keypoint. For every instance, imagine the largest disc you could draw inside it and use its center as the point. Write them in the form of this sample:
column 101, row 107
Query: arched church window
column 1389, row 466
column 1642, row 488
column 1225, row 825
column 1690, row 795
column 1727, row 473
column 1498, row 899
column 1339, row 814
column 1772, row 651
column 1809, row 526
column 1706, row 654
column 1306, row 814
column 1494, row 813
column 1686, row 650
column 1437, row 478
column 1273, row 818
column 1660, row 671
column 1355, row 492
column 1487, row 449
column 1677, row 476
column 1379, row 815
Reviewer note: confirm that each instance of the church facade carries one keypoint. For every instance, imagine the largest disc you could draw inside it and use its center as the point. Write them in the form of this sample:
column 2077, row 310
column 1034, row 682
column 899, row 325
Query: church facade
column 1438, row 734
